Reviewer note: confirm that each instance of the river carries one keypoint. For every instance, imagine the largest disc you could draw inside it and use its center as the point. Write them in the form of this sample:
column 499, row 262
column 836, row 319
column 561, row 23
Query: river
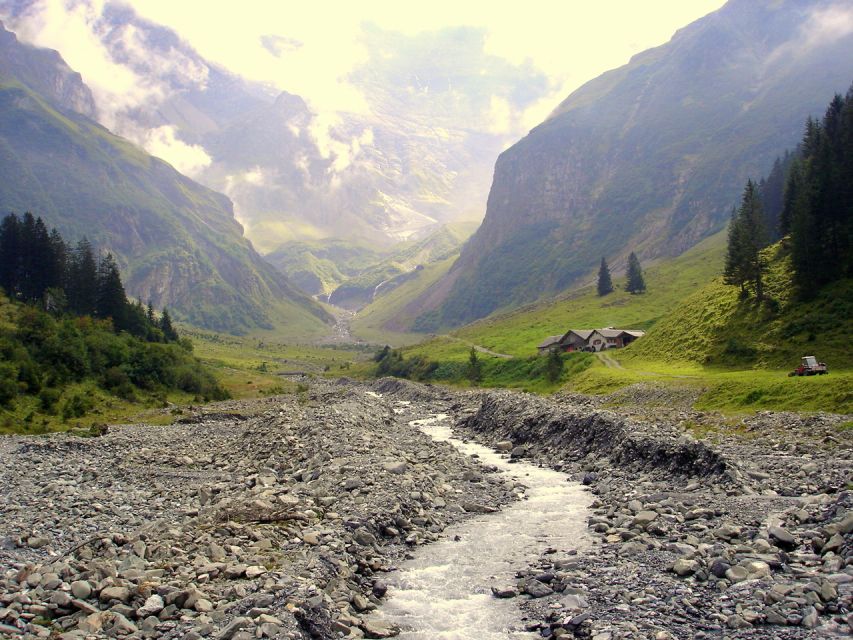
column 445, row 591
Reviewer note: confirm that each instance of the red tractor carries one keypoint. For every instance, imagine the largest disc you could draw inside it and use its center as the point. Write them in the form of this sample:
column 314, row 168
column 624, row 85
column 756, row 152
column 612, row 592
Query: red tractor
column 810, row 367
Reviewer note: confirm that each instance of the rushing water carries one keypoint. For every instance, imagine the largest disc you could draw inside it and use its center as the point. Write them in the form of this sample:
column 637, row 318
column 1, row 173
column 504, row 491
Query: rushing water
column 445, row 591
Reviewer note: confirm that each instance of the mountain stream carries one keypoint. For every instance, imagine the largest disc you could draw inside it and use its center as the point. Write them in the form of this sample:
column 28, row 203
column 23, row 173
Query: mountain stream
column 445, row 591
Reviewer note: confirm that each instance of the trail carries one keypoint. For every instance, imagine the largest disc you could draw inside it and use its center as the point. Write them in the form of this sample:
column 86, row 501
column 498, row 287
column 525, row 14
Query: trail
column 477, row 347
column 609, row 361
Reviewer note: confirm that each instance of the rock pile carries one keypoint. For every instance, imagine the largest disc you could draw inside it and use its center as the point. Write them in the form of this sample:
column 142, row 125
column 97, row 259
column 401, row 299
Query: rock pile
column 276, row 523
column 750, row 536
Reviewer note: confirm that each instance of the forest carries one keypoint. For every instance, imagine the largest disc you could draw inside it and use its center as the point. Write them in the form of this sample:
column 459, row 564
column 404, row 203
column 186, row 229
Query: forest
column 65, row 319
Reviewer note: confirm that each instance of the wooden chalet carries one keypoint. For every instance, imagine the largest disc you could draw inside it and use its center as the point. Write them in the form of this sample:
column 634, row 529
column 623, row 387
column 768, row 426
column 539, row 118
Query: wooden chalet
column 590, row 340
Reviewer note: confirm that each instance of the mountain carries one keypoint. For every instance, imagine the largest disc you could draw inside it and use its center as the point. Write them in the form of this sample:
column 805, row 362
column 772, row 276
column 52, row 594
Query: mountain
column 649, row 157
column 416, row 155
column 177, row 242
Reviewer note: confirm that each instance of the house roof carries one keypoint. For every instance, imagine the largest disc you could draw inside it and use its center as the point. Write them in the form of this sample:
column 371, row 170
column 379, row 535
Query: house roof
column 583, row 334
column 547, row 342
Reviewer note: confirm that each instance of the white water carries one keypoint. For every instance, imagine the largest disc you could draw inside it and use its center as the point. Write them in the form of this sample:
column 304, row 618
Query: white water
column 445, row 592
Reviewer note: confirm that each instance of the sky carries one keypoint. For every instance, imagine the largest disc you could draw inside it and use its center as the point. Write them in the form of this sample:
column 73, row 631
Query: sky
column 311, row 50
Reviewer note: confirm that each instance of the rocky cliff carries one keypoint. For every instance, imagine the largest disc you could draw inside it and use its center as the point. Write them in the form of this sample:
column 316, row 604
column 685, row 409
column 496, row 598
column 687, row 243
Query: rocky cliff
column 649, row 157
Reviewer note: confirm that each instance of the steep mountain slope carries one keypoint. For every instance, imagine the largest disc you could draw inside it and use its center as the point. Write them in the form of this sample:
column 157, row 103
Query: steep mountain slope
column 647, row 157
column 417, row 154
column 46, row 73
column 177, row 242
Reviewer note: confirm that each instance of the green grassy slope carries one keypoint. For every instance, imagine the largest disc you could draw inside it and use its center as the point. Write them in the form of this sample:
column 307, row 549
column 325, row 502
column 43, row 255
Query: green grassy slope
column 730, row 354
column 714, row 327
column 517, row 333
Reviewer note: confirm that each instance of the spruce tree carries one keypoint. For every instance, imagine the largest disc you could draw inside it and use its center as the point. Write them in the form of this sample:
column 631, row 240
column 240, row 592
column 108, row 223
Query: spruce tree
column 82, row 290
column 747, row 237
column 111, row 299
column 605, row 284
column 10, row 239
column 734, row 272
column 475, row 367
column 167, row 328
column 635, row 283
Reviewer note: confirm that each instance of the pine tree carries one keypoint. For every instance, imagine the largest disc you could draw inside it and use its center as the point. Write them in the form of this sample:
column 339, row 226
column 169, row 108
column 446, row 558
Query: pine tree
column 605, row 284
column 734, row 272
column 475, row 367
column 111, row 299
column 10, row 240
column 635, row 283
column 166, row 327
column 747, row 237
column 82, row 279
column 554, row 368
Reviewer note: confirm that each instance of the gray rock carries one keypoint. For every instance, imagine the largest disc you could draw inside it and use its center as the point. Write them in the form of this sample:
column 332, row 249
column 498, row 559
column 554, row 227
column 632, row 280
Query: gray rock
column 397, row 468
column 236, row 625
column 474, row 507
column 122, row 594
column 536, row 589
column 153, row 605
column 782, row 538
column 81, row 589
column 685, row 567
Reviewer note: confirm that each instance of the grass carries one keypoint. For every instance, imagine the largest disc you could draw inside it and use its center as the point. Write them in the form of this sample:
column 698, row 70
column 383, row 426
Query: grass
column 251, row 366
column 103, row 408
column 733, row 355
column 518, row 332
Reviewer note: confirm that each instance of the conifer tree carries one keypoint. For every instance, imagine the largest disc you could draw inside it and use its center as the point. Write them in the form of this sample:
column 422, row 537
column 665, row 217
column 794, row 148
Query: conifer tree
column 111, row 298
column 734, row 272
column 605, row 284
column 166, row 327
column 475, row 367
column 82, row 290
column 10, row 239
column 634, row 275
column 747, row 237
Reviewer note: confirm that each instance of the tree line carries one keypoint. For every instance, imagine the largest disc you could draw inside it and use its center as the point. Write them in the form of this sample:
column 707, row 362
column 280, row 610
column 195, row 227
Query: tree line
column 807, row 198
column 37, row 266
column 634, row 280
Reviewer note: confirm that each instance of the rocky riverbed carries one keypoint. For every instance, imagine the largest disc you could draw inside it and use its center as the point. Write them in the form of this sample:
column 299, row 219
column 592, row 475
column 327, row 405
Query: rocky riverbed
column 280, row 518
column 273, row 519
column 744, row 534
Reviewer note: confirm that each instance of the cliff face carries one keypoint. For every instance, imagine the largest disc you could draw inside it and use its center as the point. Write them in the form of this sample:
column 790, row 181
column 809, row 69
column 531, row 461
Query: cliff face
column 648, row 157
column 46, row 73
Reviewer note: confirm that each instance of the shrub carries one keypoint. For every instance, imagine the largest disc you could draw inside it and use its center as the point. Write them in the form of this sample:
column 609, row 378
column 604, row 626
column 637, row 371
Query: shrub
column 48, row 398
column 8, row 383
column 76, row 406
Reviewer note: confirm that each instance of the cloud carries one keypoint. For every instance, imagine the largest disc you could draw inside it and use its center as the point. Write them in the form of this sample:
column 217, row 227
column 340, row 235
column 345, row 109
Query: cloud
column 189, row 159
column 340, row 149
column 499, row 119
column 822, row 26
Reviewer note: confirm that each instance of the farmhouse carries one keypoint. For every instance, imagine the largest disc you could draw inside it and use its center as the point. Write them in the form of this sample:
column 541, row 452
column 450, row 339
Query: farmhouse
column 590, row 340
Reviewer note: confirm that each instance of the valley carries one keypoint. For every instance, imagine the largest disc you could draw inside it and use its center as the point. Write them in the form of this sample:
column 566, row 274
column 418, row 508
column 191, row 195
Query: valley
column 379, row 321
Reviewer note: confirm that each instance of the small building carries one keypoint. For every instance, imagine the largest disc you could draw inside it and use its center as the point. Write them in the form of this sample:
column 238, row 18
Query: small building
column 591, row 340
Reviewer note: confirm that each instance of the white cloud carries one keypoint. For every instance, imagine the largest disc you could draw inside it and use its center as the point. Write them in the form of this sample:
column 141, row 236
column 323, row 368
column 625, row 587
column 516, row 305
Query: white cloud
column 499, row 119
column 189, row 159
column 823, row 26
column 341, row 150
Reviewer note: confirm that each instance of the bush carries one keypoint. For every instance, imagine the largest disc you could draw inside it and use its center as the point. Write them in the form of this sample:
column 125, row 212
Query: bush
column 76, row 406
column 8, row 383
column 48, row 399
